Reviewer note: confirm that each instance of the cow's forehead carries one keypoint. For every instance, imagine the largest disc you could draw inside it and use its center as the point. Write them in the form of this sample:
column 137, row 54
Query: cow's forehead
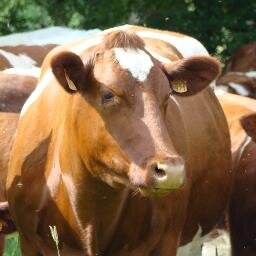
column 136, row 61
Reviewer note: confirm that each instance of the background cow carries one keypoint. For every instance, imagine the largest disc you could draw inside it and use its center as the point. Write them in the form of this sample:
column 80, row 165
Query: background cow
column 28, row 49
column 15, row 87
column 111, row 121
column 8, row 125
column 240, row 75
column 242, row 210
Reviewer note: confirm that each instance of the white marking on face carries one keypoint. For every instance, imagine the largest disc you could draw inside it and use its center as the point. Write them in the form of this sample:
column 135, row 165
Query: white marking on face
column 158, row 57
column 136, row 61
column 18, row 61
column 34, row 71
column 239, row 88
column 187, row 46
column 251, row 73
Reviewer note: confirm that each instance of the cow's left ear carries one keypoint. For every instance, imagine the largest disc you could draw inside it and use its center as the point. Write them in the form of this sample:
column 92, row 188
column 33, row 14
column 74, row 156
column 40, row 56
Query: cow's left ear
column 70, row 71
column 249, row 125
column 191, row 75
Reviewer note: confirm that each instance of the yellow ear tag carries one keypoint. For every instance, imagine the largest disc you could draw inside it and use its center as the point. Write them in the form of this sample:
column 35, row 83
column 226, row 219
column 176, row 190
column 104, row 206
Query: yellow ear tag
column 71, row 85
column 179, row 86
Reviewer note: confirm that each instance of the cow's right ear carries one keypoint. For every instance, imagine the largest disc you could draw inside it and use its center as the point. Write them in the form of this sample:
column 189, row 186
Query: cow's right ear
column 70, row 71
column 249, row 125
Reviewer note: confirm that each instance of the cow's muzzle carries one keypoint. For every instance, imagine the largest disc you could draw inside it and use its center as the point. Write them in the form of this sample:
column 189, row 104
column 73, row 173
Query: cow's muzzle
column 160, row 175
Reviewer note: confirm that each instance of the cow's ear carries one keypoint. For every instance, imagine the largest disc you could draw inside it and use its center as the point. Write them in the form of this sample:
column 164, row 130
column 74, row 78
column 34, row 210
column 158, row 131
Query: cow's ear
column 249, row 125
column 70, row 71
column 191, row 75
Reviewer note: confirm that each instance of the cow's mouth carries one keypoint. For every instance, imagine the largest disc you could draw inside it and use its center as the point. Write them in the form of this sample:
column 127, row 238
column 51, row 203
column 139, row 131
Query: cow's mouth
column 154, row 191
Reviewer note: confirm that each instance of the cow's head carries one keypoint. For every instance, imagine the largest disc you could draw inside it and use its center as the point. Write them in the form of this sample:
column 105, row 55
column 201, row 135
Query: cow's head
column 120, row 95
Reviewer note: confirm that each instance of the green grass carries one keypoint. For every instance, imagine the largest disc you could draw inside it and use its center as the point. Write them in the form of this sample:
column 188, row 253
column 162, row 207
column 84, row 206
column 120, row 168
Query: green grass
column 12, row 245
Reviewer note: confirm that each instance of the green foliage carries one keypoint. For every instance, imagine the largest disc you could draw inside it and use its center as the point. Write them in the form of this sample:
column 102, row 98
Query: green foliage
column 12, row 246
column 221, row 25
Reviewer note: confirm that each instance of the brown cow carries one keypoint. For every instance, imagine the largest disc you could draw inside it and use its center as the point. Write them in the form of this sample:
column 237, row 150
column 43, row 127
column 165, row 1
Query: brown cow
column 28, row 49
column 8, row 125
column 243, row 59
column 240, row 83
column 15, row 87
column 242, row 212
column 114, row 118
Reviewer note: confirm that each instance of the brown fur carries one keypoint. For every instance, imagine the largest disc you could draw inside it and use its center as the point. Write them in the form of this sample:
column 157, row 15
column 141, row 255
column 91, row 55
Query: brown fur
column 90, row 157
column 122, row 39
column 14, row 90
column 249, row 83
column 242, row 211
column 243, row 59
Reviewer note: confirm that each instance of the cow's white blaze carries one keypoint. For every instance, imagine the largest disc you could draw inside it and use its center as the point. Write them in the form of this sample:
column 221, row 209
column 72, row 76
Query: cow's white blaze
column 136, row 61
column 18, row 61
column 187, row 46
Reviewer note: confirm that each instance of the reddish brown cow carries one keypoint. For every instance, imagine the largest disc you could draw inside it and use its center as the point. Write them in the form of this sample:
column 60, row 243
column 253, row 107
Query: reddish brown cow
column 243, row 59
column 8, row 125
column 118, row 120
column 240, row 83
column 242, row 212
column 15, row 88
column 240, row 76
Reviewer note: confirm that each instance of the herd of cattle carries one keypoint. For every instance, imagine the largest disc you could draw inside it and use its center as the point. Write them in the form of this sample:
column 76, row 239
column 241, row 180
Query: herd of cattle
column 118, row 141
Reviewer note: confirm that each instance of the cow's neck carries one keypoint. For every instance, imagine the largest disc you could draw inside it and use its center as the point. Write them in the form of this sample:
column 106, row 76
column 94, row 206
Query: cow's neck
column 95, row 206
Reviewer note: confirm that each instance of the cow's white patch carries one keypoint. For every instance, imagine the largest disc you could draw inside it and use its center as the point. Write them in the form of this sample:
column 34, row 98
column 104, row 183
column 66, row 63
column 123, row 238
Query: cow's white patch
column 239, row 89
column 34, row 71
column 219, row 246
column 158, row 57
column 18, row 61
column 187, row 46
column 35, row 94
column 251, row 73
column 194, row 247
column 136, row 61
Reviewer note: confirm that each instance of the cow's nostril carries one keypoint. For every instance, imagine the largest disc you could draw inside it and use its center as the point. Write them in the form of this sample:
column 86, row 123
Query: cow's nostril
column 159, row 173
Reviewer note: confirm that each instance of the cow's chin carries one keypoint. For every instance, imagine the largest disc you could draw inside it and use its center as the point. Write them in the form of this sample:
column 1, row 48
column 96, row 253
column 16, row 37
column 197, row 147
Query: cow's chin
column 146, row 192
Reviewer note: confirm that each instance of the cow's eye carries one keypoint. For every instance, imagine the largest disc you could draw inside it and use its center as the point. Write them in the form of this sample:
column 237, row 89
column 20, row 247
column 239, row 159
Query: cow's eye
column 107, row 97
